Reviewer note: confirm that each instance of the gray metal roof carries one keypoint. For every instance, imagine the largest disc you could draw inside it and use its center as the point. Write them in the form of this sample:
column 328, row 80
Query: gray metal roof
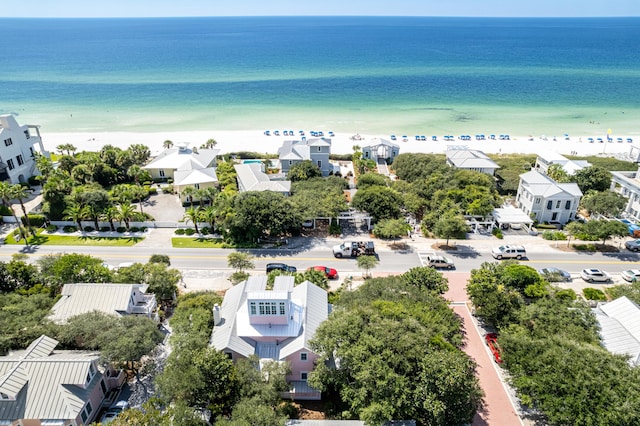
column 180, row 158
column 461, row 157
column 620, row 327
column 43, row 384
column 252, row 178
column 542, row 185
column 308, row 309
column 81, row 298
column 194, row 176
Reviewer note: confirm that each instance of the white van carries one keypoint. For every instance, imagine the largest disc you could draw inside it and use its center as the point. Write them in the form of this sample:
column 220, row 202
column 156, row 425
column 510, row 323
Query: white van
column 509, row 252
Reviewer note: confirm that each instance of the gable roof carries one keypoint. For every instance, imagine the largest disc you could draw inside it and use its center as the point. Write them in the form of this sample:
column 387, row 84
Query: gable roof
column 252, row 178
column 300, row 150
column 81, row 298
column 376, row 142
column 620, row 327
column 183, row 158
column 542, row 185
column 44, row 384
column 463, row 158
column 309, row 309
column 194, row 176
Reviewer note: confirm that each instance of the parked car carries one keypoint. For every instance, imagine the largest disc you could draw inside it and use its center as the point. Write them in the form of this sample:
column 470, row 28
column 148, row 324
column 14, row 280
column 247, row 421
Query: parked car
column 633, row 245
column 280, row 267
column 436, row 261
column 509, row 252
column 595, row 275
column 328, row 272
column 113, row 412
column 554, row 274
column 631, row 275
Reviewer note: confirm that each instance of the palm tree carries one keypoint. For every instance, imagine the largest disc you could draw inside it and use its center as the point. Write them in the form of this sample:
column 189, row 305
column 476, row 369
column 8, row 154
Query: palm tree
column 189, row 192
column 44, row 165
column 109, row 215
column 19, row 192
column 6, row 195
column 209, row 215
column 76, row 212
column 201, row 194
column 209, row 144
column 125, row 213
column 192, row 214
column 167, row 144
column 210, row 192
column 94, row 213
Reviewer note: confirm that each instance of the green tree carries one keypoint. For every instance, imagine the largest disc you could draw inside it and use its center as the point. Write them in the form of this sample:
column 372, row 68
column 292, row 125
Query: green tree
column 380, row 202
column 428, row 278
column 303, row 170
column 605, row 229
column 209, row 144
column 372, row 179
column 192, row 214
column 262, row 214
column 19, row 193
column 557, row 173
column 451, row 225
column 240, row 261
column 391, row 228
column 367, row 263
column 494, row 302
column 607, row 203
column 110, row 214
column 593, row 178
column 162, row 280
column 126, row 212
column 77, row 213
column 58, row 269
column 160, row 258
column 167, row 144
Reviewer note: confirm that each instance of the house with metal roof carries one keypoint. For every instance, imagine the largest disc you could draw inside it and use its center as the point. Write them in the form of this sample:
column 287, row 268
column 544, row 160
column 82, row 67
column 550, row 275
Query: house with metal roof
column 251, row 177
column 186, row 167
column 627, row 184
column 274, row 324
column 316, row 150
column 461, row 157
column 547, row 158
column 17, row 149
column 42, row 386
column 619, row 322
column 381, row 149
column 113, row 299
column 547, row 200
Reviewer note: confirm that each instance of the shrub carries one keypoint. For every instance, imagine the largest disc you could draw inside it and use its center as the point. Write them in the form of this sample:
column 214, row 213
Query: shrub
column 134, row 229
column 497, row 232
column 179, row 231
column 153, row 191
column 121, row 229
column 546, row 226
column 168, row 189
column 554, row 235
column 160, row 258
column 238, row 277
column 334, row 228
column 566, row 294
column 205, row 230
column 70, row 228
column 89, row 229
column 594, row 294
column 143, row 229
column 147, row 183
column 52, row 228
column 105, row 229
column 36, row 220
column 189, row 231
column 5, row 211
column 34, row 180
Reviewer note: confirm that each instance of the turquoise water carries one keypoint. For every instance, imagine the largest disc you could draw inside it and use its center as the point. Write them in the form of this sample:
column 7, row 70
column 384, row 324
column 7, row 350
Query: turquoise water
column 351, row 74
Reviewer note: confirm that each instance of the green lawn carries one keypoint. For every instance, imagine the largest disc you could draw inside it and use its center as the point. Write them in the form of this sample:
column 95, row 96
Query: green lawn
column 182, row 242
column 72, row 240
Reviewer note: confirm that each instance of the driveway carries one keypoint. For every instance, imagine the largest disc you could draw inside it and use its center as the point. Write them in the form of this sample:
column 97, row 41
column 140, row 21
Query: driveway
column 163, row 207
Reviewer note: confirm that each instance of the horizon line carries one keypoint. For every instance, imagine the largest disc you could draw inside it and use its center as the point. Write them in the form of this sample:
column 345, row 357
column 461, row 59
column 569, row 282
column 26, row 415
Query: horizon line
column 326, row 16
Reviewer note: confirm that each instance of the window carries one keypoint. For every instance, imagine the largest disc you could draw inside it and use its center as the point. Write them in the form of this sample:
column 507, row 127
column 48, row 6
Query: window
column 267, row 308
column 252, row 308
column 282, row 310
column 558, row 204
column 549, row 204
column 303, row 356
column 10, row 164
column 84, row 416
column 31, row 151
column 229, row 355
column 320, row 163
column 161, row 172
column 554, row 216
column 103, row 387
column 196, row 185
column 20, row 160
column 89, row 408
column 319, row 149
column 26, row 134
column 304, row 375
column 8, row 142
column 567, row 205
column 537, row 200
column 290, row 162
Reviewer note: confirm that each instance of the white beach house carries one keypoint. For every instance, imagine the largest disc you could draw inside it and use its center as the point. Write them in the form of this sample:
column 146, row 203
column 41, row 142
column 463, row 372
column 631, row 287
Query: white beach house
column 273, row 324
column 547, row 200
column 316, row 150
column 464, row 158
column 627, row 184
column 17, row 162
column 251, row 177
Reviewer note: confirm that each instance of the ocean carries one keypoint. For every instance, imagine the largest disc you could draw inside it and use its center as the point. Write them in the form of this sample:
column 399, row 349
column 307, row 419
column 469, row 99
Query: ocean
column 378, row 75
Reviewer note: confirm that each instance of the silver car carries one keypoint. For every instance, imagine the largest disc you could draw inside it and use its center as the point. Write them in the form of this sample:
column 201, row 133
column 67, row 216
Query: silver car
column 631, row 275
column 595, row 275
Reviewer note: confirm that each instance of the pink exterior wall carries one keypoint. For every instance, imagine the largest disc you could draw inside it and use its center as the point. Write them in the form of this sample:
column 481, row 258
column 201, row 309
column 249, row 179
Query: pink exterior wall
column 268, row 319
column 298, row 366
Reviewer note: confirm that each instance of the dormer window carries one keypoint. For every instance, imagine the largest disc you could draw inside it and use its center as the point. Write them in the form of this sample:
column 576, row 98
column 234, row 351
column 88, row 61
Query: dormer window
column 268, row 308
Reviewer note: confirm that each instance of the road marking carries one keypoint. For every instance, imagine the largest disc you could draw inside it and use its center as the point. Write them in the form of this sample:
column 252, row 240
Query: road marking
column 422, row 255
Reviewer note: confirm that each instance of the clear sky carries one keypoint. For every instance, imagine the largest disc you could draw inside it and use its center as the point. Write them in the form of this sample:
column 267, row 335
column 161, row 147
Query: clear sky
column 167, row 8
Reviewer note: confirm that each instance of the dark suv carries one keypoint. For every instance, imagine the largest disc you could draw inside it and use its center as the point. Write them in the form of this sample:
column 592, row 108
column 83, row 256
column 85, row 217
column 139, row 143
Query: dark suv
column 280, row 267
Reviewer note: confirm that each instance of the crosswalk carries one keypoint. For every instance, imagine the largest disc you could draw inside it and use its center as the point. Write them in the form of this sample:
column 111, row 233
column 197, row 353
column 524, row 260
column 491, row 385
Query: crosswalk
column 422, row 255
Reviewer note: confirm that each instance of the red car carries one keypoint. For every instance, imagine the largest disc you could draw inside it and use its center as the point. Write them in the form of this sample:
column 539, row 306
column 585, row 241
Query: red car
column 492, row 342
column 328, row 272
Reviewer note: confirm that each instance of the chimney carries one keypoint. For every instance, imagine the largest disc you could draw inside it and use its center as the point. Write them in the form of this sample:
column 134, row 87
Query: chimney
column 216, row 314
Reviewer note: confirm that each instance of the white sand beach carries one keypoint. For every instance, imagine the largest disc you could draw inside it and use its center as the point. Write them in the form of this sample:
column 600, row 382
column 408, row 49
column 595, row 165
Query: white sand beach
column 342, row 143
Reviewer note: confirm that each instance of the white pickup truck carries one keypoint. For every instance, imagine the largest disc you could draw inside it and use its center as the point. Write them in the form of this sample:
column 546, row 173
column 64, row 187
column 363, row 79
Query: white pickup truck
column 354, row 249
